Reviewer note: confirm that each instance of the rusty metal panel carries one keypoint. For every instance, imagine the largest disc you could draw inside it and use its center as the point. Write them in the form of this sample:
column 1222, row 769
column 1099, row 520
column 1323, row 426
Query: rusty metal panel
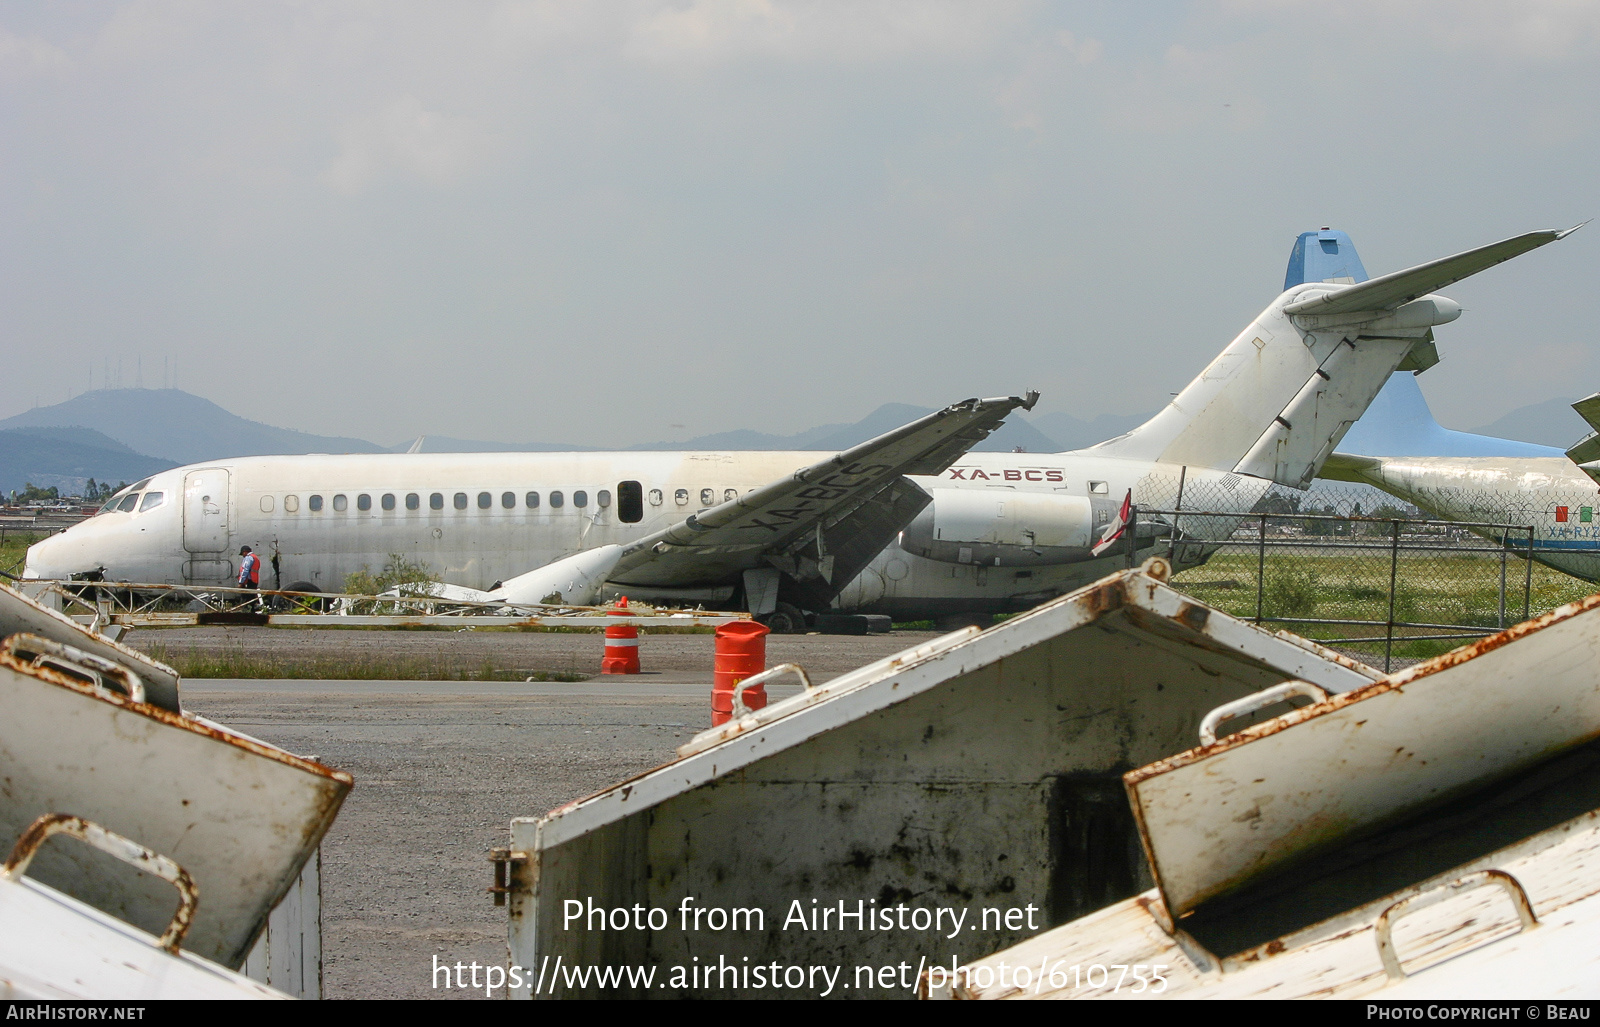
column 241, row 816
column 972, row 771
column 1216, row 817
column 52, row 947
column 18, row 613
column 1470, row 946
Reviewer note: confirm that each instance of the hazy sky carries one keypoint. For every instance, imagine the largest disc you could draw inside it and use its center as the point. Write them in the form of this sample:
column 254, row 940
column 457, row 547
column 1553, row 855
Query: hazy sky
column 601, row 222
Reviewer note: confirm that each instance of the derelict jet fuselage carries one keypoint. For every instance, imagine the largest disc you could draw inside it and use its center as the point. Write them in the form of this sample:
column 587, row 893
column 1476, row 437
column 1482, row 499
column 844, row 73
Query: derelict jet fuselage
column 911, row 524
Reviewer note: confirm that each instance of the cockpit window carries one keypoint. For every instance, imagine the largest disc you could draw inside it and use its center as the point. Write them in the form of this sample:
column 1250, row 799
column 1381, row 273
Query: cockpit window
column 110, row 505
column 128, row 503
column 151, row 501
column 140, row 486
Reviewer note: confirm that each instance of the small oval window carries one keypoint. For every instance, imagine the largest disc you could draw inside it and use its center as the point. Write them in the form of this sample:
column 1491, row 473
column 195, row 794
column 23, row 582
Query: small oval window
column 508, row 500
column 603, row 497
column 580, row 499
column 555, row 500
column 485, row 501
column 266, row 502
column 729, row 495
column 707, row 497
column 413, row 501
column 291, row 504
column 532, row 499
column 655, row 497
column 315, row 503
column 681, row 496
column 340, row 503
column 436, row 501
column 153, row 500
column 461, row 500
column 363, row 502
column 388, row 500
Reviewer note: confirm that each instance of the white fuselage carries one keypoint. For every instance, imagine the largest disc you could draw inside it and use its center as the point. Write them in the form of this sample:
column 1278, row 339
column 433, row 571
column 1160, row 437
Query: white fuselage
column 477, row 519
column 1550, row 493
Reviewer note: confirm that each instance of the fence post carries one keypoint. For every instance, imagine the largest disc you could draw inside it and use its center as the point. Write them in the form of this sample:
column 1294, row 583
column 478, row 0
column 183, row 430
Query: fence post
column 1132, row 529
column 1261, row 569
column 1505, row 546
column 1527, row 576
column 1394, row 568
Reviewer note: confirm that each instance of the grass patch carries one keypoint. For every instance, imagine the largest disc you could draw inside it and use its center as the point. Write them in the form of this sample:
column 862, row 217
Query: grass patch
column 235, row 663
column 14, row 549
column 1451, row 589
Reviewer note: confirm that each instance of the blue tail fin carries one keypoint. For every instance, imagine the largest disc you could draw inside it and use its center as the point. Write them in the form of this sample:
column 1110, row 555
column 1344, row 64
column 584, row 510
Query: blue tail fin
column 1323, row 256
column 1398, row 423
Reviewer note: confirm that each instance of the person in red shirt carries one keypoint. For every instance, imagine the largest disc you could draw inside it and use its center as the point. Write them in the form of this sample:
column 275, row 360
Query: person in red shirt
column 249, row 570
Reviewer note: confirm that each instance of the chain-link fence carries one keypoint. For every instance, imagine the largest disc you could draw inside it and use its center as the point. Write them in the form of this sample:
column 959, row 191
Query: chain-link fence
column 1377, row 585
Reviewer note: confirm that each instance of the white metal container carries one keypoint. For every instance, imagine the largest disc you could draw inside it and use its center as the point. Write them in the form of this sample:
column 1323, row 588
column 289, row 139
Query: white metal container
column 978, row 770
column 55, row 947
column 1357, row 846
column 241, row 815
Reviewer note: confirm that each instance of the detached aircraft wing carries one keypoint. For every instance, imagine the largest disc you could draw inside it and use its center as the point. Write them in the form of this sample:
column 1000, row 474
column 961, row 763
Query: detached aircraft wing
column 823, row 523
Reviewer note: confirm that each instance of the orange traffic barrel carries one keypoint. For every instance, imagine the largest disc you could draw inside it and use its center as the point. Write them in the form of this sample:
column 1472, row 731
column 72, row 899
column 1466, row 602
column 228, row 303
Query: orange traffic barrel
column 741, row 653
column 622, row 644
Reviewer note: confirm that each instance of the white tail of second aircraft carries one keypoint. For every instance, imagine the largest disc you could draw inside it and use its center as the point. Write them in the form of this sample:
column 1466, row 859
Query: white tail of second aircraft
column 1306, row 368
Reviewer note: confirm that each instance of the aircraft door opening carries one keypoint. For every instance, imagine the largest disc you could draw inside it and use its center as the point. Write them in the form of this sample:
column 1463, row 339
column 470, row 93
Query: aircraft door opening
column 205, row 510
column 630, row 502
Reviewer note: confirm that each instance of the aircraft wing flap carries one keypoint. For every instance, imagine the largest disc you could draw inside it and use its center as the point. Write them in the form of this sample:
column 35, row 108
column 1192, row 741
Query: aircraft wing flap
column 1392, row 290
column 788, row 513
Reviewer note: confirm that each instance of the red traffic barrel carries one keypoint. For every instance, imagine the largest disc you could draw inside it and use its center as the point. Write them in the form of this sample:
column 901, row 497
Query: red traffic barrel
column 741, row 653
column 622, row 644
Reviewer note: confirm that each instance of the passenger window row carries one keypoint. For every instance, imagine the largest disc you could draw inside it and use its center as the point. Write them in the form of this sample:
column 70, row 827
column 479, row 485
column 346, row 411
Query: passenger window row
column 630, row 501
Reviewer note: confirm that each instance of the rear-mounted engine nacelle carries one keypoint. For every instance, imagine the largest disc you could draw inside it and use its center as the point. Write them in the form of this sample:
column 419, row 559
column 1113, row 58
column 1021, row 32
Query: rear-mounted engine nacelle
column 1001, row 528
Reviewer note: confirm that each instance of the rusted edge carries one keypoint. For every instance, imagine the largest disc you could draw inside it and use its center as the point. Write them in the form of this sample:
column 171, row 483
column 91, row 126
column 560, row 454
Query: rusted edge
column 177, row 720
column 125, row 849
column 1393, row 682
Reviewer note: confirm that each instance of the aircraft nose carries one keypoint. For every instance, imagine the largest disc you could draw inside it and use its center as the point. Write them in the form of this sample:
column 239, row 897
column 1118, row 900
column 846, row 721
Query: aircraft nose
column 41, row 558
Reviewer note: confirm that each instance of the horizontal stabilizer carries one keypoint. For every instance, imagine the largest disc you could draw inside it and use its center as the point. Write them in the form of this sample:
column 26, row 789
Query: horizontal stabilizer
column 1349, row 467
column 1387, row 292
column 1586, row 451
column 1588, row 408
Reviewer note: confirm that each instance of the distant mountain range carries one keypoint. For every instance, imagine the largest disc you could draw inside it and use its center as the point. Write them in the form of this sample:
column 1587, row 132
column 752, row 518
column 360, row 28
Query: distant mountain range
column 175, row 425
column 126, row 434
column 1551, row 423
column 67, row 457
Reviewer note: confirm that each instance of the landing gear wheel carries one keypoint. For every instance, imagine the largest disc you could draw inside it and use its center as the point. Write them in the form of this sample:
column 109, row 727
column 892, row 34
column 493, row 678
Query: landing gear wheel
column 320, row 605
column 786, row 620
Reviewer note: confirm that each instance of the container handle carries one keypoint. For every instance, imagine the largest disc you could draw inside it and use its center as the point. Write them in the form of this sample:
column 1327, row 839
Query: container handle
column 740, row 709
column 1256, row 701
column 1384, row 926
column 125, row 849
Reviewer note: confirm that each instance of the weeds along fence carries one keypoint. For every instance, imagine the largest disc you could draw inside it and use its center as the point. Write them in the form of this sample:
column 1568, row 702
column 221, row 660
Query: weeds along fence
column 1399, row 586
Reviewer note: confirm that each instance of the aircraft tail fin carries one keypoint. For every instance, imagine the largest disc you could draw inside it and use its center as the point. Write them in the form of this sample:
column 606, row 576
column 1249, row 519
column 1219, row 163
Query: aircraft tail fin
column 1284, row 393
column 1324, row 256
